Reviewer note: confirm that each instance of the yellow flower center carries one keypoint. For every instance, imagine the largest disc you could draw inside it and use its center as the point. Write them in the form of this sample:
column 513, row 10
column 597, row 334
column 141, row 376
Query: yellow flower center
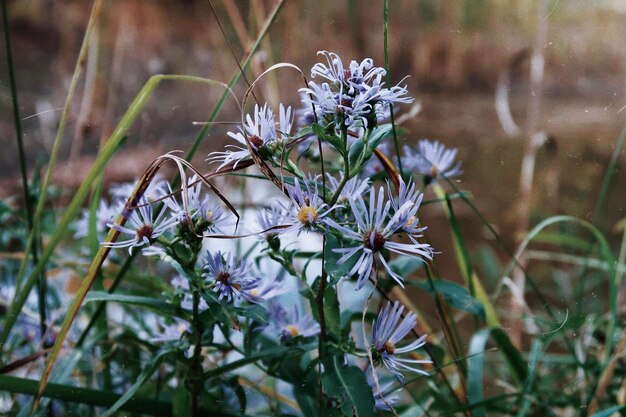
column 388, row 347
column 433, row 171
column 307, row 215
column 293, row 330
column 181, row 328
column 208, row 214
column 410, row 222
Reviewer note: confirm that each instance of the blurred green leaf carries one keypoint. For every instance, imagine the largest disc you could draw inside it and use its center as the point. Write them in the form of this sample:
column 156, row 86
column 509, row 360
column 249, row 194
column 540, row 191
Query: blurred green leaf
column 253, row 311
column 147, row 372
column 331, row 258
column 157, row 305
column 356, row 151
column 349, row 386
column 455, row 294
column 404, row 265
column 476, row 362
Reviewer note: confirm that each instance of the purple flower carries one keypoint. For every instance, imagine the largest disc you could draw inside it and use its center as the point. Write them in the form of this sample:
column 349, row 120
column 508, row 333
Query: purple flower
column 408, row 194
column 172, row 332
column 230, row 278
column 291, row 323
column 433, row 160
column 353, row 187
column 353, row 93
column 387, row 331
column 142, row 226
column 260, row 131
column 210, row 216
column 105, row 214
column 181, row 284
column 155, row 191
column 307, row 210
column 375, row 227
column 269, row 220
column 270, row 287
column 386, row 391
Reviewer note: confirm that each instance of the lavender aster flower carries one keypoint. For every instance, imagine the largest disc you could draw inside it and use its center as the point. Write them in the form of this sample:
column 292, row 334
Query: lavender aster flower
column 181, row 284
column 270, row 287
column 156, row 190
column 408, row 193
column 391, row 398
column 375, row 227
column 307, row 210
column 353, row 187
column 290, row 324
column 387, row 331
column 214, row 218
column 209, row 215
column 230, row 277
column 172, row 332
column 353, row 93
column 105, row 214
column 143, row 226
column 269, row 220
column 433, row 160
column 261, row 131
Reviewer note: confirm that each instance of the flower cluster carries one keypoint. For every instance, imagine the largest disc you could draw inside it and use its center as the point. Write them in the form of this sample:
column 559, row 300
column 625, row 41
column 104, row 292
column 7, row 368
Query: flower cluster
column 264, row 289
column 355, row 93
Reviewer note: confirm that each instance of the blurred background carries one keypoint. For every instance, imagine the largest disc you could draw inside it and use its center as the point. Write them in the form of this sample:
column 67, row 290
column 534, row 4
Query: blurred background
column 459, row 55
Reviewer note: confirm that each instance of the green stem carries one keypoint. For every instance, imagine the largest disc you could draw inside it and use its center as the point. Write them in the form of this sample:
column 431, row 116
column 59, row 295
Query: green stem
column 84, row 396
column 346, row 168
column 388, row 78
column 195, row 373
column 41, row 284
column 101, row 307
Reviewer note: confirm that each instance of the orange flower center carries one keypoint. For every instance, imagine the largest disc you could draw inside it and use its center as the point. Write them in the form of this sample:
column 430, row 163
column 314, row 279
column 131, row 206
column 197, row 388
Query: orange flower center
column 307, row 215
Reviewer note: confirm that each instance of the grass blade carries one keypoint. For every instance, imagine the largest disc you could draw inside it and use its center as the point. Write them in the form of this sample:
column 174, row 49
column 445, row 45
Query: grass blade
column 87, row 396
column 470, row 277
column 143, row 377
column 476, row 361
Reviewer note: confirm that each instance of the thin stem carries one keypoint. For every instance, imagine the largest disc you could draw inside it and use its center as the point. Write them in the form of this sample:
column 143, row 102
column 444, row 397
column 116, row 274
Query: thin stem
column 101, row 307
column 17, row 122
column 388, row 78
column 346, row 168
column 195, row 373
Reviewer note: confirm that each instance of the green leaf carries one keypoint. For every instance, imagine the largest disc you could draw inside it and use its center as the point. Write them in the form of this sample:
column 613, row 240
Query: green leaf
column 333, row 140
column 148, row 371
column 404, row 265
column 355, row 152
column 331, row 311
column 69, row 393
column 455, row 294
column 181, row 401
column 476, row 364
column 268, row 353
column 331, row 258
column 153, row 304
column 253, row 311
column 379, row 134
column 470, row 277
column 349, row 385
